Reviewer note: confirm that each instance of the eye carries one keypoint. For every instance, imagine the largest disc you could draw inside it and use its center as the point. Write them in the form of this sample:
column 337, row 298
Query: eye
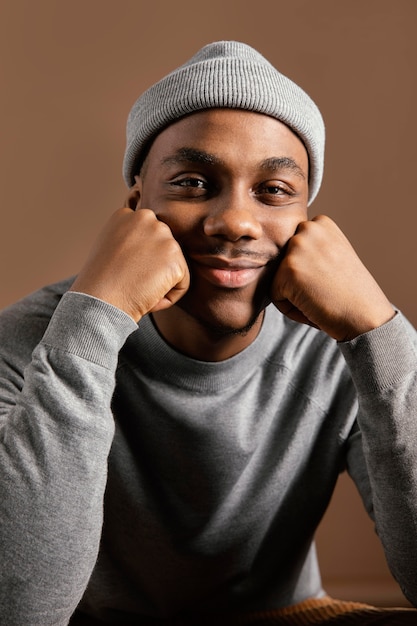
column 190, row 185
column 190, row 182
column 273, row 191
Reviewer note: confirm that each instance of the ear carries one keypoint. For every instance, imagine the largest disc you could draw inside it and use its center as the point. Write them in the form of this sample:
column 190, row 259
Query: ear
column 134, row 195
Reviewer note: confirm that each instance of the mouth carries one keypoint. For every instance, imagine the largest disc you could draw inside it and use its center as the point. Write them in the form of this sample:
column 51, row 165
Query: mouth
column 228, row 274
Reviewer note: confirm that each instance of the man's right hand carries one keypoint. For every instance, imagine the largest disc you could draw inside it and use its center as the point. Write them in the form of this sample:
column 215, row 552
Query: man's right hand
column 135, row 265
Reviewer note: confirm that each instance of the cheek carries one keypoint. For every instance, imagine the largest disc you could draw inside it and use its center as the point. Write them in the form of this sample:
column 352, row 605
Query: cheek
column 282, row 227
column 172, row 214
column 183, row 221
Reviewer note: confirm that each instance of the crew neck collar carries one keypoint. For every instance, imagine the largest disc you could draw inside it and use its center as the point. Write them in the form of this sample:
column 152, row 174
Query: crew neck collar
column 160, row 361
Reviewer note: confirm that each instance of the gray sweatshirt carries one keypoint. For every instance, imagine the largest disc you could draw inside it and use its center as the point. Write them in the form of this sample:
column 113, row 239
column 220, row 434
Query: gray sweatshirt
column 137, row 481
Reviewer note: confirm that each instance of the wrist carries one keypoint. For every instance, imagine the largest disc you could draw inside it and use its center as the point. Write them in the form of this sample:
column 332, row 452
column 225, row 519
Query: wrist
column 367, row 323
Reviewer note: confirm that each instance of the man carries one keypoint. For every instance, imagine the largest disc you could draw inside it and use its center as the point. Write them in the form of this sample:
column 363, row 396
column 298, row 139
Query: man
column 174, row 419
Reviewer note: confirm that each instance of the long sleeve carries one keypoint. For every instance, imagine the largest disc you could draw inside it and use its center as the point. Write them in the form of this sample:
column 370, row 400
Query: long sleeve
column 56, row 430
column 383, row 364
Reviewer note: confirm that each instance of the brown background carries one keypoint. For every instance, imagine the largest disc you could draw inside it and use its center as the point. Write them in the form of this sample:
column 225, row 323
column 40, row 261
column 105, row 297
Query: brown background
column 70, row 72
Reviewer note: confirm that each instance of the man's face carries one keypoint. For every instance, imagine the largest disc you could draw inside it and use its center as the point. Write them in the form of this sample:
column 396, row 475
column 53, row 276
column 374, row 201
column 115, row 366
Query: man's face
column 233, row 186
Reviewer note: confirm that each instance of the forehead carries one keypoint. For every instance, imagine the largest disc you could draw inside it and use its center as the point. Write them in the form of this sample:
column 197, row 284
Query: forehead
column 234, row 137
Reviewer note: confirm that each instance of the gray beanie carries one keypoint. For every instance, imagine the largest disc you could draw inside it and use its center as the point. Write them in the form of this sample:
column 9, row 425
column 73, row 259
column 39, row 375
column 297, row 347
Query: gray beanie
column 225, row 74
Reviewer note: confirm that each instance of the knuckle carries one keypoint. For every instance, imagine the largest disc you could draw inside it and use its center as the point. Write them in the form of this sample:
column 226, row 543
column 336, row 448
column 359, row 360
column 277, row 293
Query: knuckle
column 172, row 247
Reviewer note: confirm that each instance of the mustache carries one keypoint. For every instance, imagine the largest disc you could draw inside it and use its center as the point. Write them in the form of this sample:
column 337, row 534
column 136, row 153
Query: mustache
column 236, row 252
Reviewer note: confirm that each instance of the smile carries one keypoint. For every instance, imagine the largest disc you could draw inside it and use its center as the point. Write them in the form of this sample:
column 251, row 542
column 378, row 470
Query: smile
column 234, row 274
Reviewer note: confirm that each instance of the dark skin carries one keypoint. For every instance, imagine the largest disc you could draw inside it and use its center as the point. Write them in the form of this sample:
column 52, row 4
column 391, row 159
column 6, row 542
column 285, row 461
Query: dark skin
column 216, row 228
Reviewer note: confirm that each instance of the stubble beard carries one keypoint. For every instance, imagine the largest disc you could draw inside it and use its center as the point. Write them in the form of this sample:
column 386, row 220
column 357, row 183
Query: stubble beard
column 222, row 329
column 218, row 326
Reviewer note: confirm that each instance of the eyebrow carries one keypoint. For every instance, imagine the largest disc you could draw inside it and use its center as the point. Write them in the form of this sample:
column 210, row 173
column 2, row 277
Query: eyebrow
column 192, row 155
column 282, row 163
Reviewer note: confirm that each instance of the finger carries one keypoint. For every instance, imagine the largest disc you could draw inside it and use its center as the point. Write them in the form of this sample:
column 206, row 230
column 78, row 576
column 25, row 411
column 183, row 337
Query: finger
column 175, row 294
column 291, row 311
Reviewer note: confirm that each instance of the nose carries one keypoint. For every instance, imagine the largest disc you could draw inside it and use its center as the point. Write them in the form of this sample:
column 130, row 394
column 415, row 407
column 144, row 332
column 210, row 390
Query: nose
column 232, row 222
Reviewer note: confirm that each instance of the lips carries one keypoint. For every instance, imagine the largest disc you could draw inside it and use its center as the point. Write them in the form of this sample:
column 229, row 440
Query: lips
column 229, row 274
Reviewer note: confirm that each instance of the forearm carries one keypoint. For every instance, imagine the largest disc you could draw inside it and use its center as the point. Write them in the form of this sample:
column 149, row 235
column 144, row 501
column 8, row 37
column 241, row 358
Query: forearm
column 384, row 367
column 53, row 464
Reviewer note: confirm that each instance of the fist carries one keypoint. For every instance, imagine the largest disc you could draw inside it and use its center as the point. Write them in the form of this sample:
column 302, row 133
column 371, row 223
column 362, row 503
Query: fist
column 135, row 265
column 322, row 282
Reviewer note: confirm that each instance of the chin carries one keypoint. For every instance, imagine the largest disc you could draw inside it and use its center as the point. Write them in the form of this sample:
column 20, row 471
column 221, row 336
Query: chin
column 224, row 316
